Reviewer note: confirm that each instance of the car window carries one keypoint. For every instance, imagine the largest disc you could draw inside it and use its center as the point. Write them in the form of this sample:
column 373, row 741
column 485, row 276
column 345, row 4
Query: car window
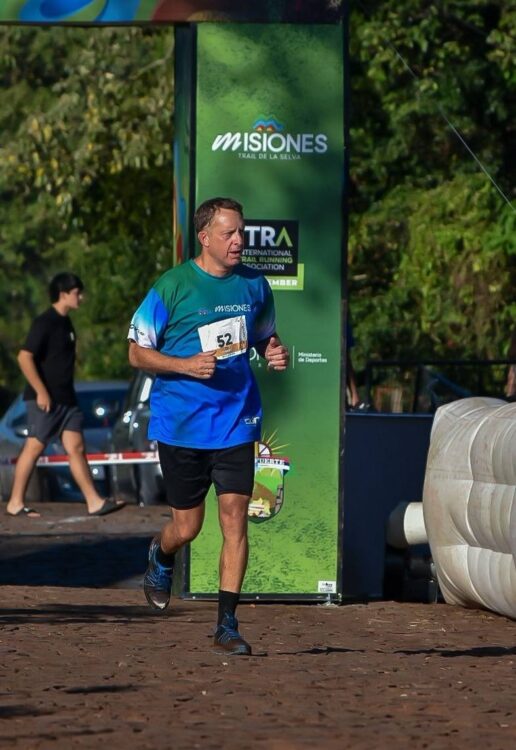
column 145, row 389
column 19, row 424
column 15, row 409
column 100, row 408
column 131, row 393
column 139, row 391
column 15, row 416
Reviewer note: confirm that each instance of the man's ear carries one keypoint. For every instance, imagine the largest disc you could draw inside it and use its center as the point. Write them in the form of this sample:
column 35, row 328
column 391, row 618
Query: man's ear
column 203, row 238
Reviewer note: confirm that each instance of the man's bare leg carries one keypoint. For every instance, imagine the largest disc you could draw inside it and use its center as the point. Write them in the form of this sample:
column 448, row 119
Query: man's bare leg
column 24, row 467
column 183, row 528
column 235, row 547
column 73, row 443
column 233, row 564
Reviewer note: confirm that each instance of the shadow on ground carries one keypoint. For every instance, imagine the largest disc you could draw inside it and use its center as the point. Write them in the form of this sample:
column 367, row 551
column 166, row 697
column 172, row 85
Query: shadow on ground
column 85, row 561
column 477, row 651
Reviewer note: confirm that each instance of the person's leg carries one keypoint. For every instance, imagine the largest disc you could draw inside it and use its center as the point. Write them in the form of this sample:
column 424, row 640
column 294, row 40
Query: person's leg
column 24, row 467
column 183, row 528
column 73, row 443
column 233, row 476
column 186, row 478
column 235, row 547
column 233, row 564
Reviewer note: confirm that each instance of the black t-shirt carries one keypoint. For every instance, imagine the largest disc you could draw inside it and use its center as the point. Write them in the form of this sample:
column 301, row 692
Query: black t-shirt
column 51, row 340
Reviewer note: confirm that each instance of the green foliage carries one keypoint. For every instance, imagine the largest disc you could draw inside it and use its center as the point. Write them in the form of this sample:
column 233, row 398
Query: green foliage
column 432, row 242
column 85, row 180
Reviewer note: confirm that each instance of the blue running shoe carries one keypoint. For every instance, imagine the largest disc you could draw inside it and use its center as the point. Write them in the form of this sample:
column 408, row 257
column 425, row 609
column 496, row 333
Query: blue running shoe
column 157, row 582
column 227, row 639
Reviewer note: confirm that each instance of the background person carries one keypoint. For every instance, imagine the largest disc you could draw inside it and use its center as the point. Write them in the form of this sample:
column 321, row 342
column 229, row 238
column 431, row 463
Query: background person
column 353, row 400
column 47, row 360
column 194, row 329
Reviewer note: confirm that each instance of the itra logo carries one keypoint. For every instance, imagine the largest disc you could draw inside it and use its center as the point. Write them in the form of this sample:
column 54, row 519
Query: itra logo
column 268, row 139
column 272, row 246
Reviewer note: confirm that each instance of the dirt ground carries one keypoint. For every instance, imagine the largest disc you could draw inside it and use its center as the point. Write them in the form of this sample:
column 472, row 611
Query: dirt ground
column 85, row 667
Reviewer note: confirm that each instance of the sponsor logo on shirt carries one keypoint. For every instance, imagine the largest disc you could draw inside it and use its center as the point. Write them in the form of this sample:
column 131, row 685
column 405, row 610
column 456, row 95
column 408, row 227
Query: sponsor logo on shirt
column 232, row 308
column 225, row 309
column 134, row 329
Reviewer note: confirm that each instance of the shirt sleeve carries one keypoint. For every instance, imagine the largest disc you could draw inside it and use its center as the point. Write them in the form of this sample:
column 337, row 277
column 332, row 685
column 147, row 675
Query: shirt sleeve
column 149, row 322
column 37, row 338
column 265, row 324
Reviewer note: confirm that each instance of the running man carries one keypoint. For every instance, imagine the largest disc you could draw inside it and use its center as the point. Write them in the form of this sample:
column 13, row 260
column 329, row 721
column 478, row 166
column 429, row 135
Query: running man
column 194, row 329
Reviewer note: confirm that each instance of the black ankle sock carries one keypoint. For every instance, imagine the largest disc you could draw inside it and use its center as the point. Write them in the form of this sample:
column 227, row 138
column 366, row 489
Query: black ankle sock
column 163, row 559
column 228, row 601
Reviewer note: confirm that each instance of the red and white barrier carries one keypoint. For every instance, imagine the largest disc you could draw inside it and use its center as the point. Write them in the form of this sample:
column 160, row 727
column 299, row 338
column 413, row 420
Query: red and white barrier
column 96, row 459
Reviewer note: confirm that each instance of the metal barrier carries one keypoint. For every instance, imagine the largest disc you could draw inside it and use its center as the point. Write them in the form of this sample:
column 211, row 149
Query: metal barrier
column 421, row 386
column 95, row 459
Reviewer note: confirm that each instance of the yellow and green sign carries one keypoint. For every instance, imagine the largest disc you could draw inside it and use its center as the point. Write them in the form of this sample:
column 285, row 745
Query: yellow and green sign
column 268, row 131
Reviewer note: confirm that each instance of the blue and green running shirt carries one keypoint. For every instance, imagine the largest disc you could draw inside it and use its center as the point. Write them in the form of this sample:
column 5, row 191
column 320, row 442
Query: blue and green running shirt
column 188, row 311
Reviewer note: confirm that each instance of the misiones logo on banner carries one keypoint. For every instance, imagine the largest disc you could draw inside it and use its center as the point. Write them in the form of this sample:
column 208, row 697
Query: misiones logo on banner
column 268, row 139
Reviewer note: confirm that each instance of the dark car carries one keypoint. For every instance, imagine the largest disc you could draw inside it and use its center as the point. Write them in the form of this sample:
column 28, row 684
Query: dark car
column 140, row 483
column 101, row 402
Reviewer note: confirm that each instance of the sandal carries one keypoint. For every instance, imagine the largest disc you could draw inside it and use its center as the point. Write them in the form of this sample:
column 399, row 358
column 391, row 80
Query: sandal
column 110, row 506
column 25, row 511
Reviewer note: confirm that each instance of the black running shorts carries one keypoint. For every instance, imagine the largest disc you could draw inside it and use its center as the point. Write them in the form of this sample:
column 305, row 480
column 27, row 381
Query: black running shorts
column 47, row 425
column 189, row 472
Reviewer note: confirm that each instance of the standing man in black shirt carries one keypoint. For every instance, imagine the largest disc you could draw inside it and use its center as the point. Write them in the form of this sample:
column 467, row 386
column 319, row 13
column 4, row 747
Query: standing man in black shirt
column 47, row 360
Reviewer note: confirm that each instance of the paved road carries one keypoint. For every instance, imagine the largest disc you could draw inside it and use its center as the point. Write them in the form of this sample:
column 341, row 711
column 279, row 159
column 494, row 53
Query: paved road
column 67, row 548
column 85, row 667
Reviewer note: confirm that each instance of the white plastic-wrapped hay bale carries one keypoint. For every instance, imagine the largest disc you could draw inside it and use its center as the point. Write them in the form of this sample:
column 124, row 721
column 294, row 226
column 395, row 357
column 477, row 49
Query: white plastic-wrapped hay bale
column 469, row 503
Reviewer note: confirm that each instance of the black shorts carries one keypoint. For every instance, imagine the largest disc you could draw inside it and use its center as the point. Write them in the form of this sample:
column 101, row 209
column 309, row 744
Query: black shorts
column 46, row 425
column 189, row 472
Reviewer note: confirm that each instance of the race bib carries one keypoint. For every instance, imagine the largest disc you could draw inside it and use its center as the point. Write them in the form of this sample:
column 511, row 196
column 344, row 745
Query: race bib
column 227, row 337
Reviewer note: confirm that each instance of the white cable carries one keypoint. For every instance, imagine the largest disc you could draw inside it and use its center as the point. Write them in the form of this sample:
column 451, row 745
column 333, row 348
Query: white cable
column 450, row 124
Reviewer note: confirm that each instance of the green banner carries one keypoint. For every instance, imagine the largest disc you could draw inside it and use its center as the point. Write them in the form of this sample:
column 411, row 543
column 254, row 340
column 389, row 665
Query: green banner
column 269, row 132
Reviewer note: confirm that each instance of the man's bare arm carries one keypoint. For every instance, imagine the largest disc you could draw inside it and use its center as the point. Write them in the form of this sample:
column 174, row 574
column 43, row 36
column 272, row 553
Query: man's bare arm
column 200, row 365
column 30, row 371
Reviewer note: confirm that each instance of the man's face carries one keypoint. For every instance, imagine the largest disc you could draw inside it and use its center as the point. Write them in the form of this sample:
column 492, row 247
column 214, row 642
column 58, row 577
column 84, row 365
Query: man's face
column 72, row 299
column 222, row 241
